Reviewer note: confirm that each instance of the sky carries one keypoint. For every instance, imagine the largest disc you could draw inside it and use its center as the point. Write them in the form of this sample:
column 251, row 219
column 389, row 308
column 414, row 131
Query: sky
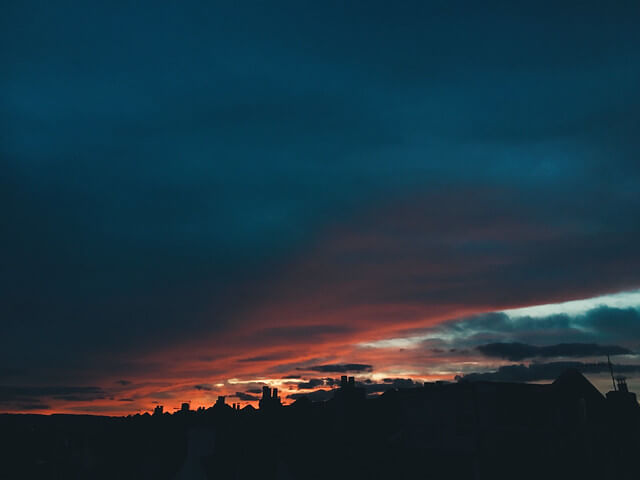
column 202, row 198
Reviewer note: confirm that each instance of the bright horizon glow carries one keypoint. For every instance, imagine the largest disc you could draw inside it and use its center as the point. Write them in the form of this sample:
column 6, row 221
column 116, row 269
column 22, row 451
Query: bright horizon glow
column 629, row 299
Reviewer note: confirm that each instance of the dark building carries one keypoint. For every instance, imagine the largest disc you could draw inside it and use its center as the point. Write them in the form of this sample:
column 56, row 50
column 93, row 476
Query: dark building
column 348, row 393
column 621, row 396
column 493, row 428
column 464, row 430
column 269, row 399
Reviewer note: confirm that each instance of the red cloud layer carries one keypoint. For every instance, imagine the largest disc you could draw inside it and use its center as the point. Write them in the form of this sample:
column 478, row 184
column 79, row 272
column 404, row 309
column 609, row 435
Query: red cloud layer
column 411, row 265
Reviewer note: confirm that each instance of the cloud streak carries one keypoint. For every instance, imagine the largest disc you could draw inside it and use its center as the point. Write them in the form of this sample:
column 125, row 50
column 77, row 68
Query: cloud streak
column 338, row 368
column 519, row 351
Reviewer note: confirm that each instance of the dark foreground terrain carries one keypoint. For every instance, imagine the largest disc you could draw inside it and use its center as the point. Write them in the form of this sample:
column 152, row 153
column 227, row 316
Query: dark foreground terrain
column 481, row 430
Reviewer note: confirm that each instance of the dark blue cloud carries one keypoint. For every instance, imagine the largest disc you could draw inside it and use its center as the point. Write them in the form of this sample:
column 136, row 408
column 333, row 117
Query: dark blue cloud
column 339, row 368
column 311, row 384
column 34, row 397
column 516, row 351
column 247, row 397
column 203, row 387
column 620, row 323
column 315, row 396
column 528, row 337
column 161, row 164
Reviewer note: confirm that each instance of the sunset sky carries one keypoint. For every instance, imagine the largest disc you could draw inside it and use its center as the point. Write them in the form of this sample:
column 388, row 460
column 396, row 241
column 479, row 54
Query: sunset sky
column 199, row 199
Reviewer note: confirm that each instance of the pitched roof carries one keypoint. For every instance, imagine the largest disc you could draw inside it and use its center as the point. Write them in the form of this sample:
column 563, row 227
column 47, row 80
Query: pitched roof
column 572, row 383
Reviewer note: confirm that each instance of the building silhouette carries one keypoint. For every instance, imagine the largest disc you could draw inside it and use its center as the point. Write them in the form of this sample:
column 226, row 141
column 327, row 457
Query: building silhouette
column 621, row 396
column 349, row 393
column 459, row 430
column 270, row 399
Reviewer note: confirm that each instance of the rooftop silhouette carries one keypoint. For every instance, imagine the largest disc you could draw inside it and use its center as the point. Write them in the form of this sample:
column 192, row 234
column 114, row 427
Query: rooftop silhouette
column 478, row 430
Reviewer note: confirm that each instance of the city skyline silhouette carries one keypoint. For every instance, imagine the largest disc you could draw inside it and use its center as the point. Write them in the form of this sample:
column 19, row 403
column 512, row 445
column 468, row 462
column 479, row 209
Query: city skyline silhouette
column 467, row 429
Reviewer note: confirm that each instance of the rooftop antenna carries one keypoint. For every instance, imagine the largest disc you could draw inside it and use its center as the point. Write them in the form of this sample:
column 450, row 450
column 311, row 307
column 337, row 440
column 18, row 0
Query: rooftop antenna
column 611, row 371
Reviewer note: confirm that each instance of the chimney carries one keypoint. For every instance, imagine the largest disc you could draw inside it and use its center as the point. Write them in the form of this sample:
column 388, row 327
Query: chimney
column 275, row 393
column 266, row 392
column 343, row 381
column 622, row 384
column 352, row 382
